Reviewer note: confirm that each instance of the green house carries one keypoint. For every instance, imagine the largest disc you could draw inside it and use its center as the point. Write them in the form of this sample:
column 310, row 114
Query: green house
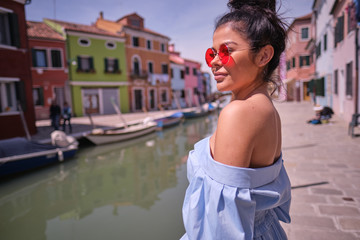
column 97, row 68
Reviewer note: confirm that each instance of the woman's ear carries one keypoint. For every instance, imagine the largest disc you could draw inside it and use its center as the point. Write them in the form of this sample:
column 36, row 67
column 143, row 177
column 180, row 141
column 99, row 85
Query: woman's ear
column 265, row 55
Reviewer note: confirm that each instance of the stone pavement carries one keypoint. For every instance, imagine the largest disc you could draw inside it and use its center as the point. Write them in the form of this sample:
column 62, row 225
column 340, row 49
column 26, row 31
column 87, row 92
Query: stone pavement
column 323, row 164
column 322, row 161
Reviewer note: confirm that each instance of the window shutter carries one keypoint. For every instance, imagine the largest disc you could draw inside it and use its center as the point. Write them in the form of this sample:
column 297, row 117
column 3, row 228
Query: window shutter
column 116, row 65
column 79, row 68
column 33, row 55
column 320, row 87
column 14, row 29
column 20, row 94
column 91, row 63
column 106, row 64
column 41, row 96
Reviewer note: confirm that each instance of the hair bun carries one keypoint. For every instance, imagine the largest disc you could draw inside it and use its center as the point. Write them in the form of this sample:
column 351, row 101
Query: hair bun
column 238, row 4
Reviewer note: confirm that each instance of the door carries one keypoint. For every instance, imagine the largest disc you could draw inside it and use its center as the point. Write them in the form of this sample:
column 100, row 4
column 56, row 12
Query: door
column 107, row 95
column 138, row 96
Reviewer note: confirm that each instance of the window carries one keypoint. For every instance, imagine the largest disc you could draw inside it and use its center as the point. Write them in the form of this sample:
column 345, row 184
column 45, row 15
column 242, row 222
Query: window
column 187, row 70
column 163, row 95
column 172, row 73
column 325, row 42
column 336, row 81
column 182, row 74
column 8, row 96
column 293, row 62
column 305, row 33
column 288, row 65
column 339, row 30
column 148, row 44
column 194, row 71
column 85, row 64
column 304, row 61
column 111, row 65
column 56, row 59
column 110, row 45
column 318, row 50
column 39, row 58
column 349, row 79
column 163, row 47
column 38, row 96
column 9, row 28
column 164, row 68
column 136, row 66
column 84, row 42
column 135, row 22
column 135, row 41
column 150, row 67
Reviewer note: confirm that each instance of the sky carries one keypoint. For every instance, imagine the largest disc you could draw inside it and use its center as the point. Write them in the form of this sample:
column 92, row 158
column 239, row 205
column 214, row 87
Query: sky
column 188, row 23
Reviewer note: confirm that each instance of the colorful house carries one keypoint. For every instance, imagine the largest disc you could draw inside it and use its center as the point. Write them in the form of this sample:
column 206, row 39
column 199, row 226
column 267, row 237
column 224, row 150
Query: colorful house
column 192, row 80
column 323, row 52
column 49, row 69
column 344, row 59
column 15, row 77
column 299, row 59
column 97, row 68
column 147, row 62
column 177, row 78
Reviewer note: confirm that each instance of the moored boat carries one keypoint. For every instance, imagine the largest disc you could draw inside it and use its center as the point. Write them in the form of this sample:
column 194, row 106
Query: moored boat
column 18, row 155
column 101, row 136
column 169, row 121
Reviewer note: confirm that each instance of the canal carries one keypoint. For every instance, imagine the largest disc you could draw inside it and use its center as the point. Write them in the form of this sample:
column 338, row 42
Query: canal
column 130, row 190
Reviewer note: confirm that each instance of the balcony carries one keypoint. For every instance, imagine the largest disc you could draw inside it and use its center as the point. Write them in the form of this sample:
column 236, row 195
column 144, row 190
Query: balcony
column 138, row 75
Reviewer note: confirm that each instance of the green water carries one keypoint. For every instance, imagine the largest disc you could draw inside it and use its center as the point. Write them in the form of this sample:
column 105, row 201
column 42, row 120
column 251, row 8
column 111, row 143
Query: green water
column 131, row 190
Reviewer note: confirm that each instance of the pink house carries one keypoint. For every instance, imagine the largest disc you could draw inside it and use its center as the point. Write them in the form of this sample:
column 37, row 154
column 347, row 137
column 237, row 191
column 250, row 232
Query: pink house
column 300, row 65
column 192, row 79
column 344, row 63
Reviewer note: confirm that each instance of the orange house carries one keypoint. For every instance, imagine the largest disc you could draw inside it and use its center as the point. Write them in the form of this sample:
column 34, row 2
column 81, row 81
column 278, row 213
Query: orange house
column 147, row 60
column 300, row 64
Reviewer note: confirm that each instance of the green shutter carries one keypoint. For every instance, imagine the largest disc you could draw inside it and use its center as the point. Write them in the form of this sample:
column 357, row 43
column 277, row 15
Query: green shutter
column 41, row 96
column 91, row 63
column 320, row 86
column 79, row 63
column 116, row 65
column 106, row 65
column 14, row 29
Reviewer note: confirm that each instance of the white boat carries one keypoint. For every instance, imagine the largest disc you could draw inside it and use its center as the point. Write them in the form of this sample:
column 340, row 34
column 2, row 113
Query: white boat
column 101, row 136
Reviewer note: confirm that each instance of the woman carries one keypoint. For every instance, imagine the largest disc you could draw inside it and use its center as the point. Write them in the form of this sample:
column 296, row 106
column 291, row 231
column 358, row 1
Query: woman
column 238, row 187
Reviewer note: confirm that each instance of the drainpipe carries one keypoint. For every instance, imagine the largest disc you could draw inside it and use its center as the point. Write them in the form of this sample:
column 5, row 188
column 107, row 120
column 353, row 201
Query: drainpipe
column 356, row 70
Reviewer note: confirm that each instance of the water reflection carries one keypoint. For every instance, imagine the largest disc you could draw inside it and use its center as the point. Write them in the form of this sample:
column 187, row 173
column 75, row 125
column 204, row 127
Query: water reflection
column 117, row 188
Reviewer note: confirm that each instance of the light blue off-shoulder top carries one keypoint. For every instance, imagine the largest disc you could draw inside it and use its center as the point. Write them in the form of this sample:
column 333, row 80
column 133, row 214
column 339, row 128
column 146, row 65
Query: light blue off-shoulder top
column 227, row 202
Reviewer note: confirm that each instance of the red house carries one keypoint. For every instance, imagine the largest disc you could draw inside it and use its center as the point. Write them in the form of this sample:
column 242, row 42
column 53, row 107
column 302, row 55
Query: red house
column 15, row 76
column 48, row 67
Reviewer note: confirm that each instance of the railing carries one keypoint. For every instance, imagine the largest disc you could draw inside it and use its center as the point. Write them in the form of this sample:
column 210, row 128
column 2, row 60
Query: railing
column 139, row 74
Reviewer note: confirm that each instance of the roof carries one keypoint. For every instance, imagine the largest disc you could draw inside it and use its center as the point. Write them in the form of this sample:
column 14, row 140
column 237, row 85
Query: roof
column 302, row 18
column 40, row 30
column 68, row 26
column 176, row 59
column 147, row 31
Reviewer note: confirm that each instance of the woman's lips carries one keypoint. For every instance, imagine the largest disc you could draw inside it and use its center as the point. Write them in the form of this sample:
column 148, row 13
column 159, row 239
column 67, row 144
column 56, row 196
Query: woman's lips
column 219, row 76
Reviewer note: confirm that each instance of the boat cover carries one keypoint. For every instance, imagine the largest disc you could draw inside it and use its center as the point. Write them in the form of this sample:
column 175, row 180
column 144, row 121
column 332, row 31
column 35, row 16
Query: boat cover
column 20, row 146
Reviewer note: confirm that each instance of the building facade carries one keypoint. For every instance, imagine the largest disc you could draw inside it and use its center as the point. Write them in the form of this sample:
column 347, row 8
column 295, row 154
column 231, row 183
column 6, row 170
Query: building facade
column 299, row 60
column 97, row 68
column 192, row 80
column 15, row 78
column 344, row 60
column 147, row 62
column 177, row 66
column 49, row 70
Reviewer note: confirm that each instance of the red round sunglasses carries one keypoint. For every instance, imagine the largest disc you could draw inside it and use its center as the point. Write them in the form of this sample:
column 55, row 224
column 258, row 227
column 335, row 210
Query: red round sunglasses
column 223, row 54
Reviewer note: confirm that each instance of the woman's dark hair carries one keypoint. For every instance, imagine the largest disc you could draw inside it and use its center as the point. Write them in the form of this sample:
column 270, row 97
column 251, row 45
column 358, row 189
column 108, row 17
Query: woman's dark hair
column 257, row 21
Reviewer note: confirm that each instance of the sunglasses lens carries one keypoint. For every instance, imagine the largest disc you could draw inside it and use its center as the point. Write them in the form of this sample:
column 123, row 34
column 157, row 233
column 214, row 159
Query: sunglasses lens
column 224, row 54
column 209, row 56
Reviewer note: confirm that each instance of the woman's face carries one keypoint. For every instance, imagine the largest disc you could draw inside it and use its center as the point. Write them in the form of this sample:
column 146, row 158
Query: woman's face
column 240, row 74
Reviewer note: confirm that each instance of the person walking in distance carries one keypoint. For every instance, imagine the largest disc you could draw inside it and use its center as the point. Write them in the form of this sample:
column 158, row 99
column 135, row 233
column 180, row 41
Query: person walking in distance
column 66, row 115
column 238, row 185
column 55, row 112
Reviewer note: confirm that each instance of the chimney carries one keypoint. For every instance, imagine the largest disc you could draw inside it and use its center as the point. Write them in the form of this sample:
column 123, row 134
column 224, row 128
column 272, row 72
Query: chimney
column 101, row 15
